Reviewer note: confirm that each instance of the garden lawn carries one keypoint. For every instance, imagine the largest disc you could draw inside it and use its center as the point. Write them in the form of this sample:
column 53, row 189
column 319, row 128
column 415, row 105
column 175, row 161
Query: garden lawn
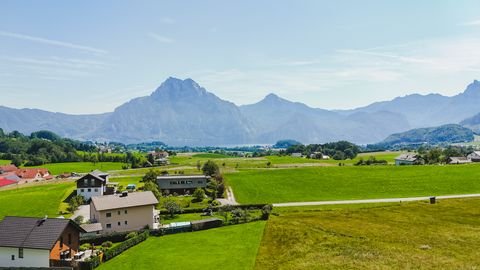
column 352, row 182
column 81, row 167
column 35, row 201
column 231, row 247
column 413, row 235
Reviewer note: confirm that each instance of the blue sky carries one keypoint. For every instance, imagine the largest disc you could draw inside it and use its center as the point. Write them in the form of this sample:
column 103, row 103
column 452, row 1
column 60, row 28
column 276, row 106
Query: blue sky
column 91, row 56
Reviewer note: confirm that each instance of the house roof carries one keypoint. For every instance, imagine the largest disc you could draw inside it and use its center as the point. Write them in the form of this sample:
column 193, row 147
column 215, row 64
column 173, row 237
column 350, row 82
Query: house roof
column 98, row 173
column 176, row 177
column 6, row 182
column 8, row 168
column 10, row 176
column 31, row 173
column 29, row 232
column 108, row 202
column 476, row 153
column 407, row 157
column 92, row 227
column 95, row 175
column 459, row 160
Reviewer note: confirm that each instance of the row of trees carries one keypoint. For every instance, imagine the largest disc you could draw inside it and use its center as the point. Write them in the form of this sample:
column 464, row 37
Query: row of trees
column 436, row 155
column 337, row 150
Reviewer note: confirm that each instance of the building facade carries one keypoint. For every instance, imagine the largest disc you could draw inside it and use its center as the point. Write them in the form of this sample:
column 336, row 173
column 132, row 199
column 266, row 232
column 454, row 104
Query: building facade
column 123, row 213
column 182, row 183
column 92, row 184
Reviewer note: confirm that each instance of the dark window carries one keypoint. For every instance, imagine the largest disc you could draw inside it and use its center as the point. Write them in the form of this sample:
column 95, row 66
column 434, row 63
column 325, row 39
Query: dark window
column 109, row 226
column 96, row 190
column 69, row 238
column 82, row 190
column 61, row 242
column 126, row 212
column 118, row 212
column 118, row 223
column 89, row 190
column 20, row 253
column 126, row 223
column 85, row 182
column 200, row 182
column 13, row 257
column 108, row 214
column 182, row 182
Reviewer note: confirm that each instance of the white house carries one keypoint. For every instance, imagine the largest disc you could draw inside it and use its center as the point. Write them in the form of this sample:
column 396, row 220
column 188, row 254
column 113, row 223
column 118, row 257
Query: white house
column 92, row 184
column 474, row 156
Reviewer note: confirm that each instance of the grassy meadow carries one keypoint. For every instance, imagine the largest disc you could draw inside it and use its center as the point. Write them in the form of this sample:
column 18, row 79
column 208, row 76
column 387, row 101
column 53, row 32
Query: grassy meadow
column 4, row 162
column 35, row 201
column 413, row 235
column 352, row 182
column 81, row 167
column 231, row 247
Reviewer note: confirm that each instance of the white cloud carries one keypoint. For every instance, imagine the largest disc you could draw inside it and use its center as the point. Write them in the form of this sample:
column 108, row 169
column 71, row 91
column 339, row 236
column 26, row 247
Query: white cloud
column 471, row 23
column 161, row 39
column 52, row 42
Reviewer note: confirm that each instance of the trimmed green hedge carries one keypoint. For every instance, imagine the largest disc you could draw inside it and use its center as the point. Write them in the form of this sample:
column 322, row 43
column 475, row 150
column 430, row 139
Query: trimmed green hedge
column 112, row 252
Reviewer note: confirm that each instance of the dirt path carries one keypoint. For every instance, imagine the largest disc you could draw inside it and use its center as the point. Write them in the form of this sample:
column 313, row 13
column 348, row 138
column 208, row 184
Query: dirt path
column 387, row 200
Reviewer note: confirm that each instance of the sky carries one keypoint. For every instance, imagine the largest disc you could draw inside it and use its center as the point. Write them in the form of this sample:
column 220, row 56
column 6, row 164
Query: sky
column 85, row 57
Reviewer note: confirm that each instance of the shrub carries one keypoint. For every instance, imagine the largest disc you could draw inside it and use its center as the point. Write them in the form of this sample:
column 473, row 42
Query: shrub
column 111, row 253
column 107, row 244
column 198, row 195
column 131, row 235
column 215, row 203
column 85, row 246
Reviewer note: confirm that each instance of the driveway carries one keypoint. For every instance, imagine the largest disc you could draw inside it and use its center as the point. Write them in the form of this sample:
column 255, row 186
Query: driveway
column 388, row 200
column 83, row 210
column 230, row 200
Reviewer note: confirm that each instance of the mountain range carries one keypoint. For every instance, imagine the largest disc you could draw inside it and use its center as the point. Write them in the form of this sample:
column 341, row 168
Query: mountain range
column 181, row 112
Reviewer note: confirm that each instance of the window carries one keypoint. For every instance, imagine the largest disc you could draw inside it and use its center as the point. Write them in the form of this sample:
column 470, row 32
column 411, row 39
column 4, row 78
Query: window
column 119, row 223
column 126, row 212
column 108, row 214
column 13, row 257
column 69, row 238
column 85, row 182
column 109, row 226
column 200, row 182
column 92, row 182
column 61, row 242
column 89, row 190
column 118, row 212
column 182, row 182
column 82, row 190
column 20, row 253
column 126, row 223
column 96, row 190
column 189, row 182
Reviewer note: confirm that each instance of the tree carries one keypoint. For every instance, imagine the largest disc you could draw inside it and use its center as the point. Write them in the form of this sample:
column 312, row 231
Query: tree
column 266, row 210
column 153, row 187
column 198, row 195
column 172, row 207
column 17, row 161
column 151, row 176
column 213, row 185
column 79, row 220
column 210, row 168
column 75, row 202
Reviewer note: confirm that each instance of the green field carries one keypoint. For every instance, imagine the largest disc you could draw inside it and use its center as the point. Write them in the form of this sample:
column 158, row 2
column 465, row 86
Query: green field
column 4, row 162
column 210, row 155
column 351, row 182
column 231, row 247
column 404, row 236
column 81, row 167
column 36, row 201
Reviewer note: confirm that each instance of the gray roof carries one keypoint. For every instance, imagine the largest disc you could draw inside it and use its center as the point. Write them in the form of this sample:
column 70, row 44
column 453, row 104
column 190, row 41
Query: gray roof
column 177, row 177
column 36, row 233
column 407, row 157
column 459, row 160
column 131, row 200
column 92, row 227
column 98, row 173
column 95, row 174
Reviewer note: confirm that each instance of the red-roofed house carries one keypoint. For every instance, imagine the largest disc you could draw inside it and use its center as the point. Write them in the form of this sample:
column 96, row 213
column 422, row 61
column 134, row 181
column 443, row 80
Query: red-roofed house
column 32, row 174
column 8, row 168
column 6, row 182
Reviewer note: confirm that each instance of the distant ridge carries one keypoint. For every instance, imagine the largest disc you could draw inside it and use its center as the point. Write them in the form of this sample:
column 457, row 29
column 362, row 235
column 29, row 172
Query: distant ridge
column 181, row 112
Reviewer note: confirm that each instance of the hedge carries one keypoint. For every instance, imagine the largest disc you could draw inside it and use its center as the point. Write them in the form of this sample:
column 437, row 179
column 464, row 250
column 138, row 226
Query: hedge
column 216, row 208
column 92, row 263
column 98, row 240
column 112, row 252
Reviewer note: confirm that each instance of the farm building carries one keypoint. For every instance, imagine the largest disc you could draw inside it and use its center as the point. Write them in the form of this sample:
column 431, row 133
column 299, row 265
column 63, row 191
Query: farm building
column 458, row 160
column 33, row 174
column 94, row 184
column 407, row 159
column 297, row 155
column 34, row 242
column 182, row 183
column 124, row 212
column 474, row 156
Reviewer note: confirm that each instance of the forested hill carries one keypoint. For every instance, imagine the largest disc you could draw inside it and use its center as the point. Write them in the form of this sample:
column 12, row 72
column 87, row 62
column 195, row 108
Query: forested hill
column 445, row 134
column 39, row 148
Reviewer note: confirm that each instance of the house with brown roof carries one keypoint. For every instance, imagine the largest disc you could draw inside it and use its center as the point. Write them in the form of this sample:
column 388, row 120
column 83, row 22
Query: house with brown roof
column 33, row 174
column 8, row 168
column 93, row 184
column 37, row 242
column 124, row 212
